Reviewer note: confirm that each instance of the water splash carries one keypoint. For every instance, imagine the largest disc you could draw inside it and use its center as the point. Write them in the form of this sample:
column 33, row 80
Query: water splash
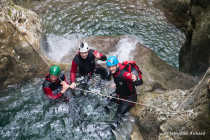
column 109, row 17
column 59, row 47
column 125, row 46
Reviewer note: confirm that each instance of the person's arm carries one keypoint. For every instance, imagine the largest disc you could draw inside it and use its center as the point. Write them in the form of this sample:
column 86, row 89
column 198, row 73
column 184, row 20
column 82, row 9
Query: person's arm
column 99, row 55
column 133, row 78
column 65, row 80
column 50, row 94
column 73, row 71
column 139, row 81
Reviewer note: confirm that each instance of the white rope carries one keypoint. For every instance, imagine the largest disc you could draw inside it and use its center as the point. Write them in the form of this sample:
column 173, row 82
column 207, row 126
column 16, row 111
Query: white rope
column 189, row 96
column 149, row 106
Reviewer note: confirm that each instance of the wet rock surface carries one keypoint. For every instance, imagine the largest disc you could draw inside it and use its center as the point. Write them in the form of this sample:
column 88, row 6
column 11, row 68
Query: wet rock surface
column 158, row 73
column 20, row 32
column 192, row 17
column 195, row 124
column 175, row 114
column 195, row 56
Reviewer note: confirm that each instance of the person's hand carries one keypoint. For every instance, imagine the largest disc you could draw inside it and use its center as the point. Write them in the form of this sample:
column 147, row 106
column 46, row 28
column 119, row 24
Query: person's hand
column 63, row 83
column 134, row 78
column 65, row 86
column 113, row 85
column 64, row 89
column 73, row 85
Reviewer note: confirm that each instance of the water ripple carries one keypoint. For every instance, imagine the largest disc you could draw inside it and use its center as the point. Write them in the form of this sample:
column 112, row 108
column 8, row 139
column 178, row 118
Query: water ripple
column 116, row 18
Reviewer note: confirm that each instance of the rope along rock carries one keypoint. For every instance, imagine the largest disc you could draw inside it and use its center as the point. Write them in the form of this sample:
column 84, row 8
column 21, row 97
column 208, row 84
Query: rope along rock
column 149, row 106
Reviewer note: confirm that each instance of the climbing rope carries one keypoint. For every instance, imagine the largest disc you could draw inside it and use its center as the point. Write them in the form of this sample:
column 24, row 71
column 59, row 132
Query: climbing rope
column 193, row 92
column 121, row 99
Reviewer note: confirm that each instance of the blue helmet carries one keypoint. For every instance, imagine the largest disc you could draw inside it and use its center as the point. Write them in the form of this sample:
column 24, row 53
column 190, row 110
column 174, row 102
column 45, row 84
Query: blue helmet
column 112, row 61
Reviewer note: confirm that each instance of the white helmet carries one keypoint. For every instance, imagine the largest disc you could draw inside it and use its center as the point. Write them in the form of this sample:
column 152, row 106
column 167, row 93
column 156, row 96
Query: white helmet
column 83, row 47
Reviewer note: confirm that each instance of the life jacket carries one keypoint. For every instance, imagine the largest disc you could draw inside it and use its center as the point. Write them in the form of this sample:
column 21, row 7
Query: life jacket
column 132, row 67
column 124, row 88
column 56, row 85
column 87, row 65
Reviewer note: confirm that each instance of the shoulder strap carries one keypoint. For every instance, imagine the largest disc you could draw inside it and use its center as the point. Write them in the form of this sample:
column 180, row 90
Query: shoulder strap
column 47, row 76
column 62, row 76
column 91, row 56
column 131, row 64
column 91, row 52
column 123, row 68
column 128, row 65
column 77, row 58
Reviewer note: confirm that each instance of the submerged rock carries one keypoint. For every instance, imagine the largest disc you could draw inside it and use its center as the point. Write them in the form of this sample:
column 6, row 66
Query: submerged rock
column 20, row 33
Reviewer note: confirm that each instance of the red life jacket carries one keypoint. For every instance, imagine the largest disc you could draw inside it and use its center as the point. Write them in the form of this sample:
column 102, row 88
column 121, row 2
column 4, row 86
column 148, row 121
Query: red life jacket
column 125, row 88
column 133, row 68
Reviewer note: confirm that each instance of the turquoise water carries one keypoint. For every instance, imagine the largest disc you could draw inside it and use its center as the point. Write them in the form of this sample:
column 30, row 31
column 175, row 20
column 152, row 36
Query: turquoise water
column 26, row 113
column 113, row 18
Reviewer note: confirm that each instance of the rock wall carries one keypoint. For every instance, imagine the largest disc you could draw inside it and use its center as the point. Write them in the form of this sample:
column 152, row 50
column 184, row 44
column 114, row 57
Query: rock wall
column 175, row 114
column 193, row 18
column 195, row 55
column 194, row 124
column 157, row 74
column 20, row 33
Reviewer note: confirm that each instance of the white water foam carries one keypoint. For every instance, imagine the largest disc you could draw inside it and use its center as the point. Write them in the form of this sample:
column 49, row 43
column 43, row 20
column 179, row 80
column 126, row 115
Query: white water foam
column 124, row 48
column 60, row 46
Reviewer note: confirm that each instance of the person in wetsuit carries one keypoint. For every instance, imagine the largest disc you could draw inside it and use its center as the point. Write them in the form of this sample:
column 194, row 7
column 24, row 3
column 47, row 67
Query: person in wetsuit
column 84, row 63
column 55, row 84
column 124, row 81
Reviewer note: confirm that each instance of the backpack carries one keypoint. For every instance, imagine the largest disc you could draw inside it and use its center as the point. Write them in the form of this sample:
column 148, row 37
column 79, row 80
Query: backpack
column 133, row 68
